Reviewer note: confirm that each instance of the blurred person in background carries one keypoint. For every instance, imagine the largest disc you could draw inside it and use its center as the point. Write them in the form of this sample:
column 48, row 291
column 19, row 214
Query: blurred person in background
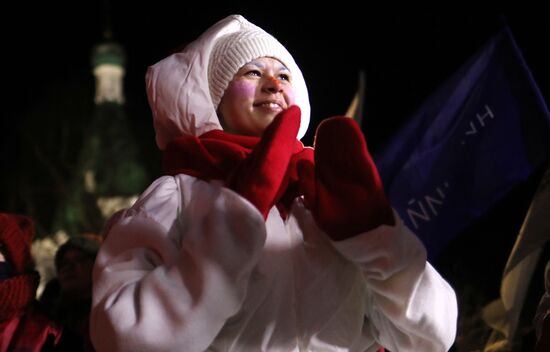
column 24, row 327
column 67, row 297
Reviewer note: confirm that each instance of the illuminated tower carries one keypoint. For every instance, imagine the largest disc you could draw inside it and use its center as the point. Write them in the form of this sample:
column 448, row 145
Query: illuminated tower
column 109, row 174
column 111, row 159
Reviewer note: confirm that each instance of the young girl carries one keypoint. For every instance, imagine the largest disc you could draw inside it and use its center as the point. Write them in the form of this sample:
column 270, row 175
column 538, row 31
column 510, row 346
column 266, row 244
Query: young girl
column 253, row 242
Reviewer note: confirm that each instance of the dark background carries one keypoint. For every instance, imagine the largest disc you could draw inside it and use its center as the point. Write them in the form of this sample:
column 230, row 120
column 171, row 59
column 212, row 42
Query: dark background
column 405, row 54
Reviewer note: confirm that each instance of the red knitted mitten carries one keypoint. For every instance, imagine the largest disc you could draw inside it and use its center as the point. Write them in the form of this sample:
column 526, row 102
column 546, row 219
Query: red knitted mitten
column 343, row 189
column 260, row 177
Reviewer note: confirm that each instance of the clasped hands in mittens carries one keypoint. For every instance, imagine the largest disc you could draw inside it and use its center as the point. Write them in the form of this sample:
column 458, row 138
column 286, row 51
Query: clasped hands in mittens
column 261, row 177
column 343, row 189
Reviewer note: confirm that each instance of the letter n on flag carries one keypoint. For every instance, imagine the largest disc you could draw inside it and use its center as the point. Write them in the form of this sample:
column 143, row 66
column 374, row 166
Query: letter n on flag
column 481, row 133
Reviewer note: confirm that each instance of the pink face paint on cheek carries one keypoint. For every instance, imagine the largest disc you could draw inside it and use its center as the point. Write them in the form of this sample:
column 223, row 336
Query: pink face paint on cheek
column 290, row 96
column 241, row 90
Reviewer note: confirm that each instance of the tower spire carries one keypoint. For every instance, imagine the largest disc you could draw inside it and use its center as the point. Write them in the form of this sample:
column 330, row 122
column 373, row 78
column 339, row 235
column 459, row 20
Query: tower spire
column 108, row 62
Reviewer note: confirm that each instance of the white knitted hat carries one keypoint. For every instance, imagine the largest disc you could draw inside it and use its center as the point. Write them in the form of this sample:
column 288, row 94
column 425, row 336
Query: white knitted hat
column 234, row 50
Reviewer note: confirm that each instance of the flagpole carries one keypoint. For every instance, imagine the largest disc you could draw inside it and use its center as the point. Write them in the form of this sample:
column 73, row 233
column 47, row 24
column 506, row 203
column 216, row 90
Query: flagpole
column 356, row 109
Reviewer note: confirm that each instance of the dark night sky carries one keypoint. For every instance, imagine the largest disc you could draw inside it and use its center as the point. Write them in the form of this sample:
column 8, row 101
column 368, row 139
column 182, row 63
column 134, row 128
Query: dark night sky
column 405, row 55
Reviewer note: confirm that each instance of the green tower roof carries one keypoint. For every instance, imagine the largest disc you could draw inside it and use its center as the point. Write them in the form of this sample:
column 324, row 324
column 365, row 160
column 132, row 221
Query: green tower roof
column 108, row 53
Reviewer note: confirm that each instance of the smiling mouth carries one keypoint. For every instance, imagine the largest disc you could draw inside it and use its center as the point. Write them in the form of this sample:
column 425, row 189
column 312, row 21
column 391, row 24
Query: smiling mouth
column 269, row 105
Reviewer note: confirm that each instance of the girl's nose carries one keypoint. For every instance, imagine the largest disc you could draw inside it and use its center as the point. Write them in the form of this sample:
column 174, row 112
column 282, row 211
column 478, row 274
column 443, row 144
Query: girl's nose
column 273, row 85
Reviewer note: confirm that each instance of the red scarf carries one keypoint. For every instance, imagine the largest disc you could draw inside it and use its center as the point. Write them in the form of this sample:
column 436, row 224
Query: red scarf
column 215, row 154
column 22, row 326
column 16, row 293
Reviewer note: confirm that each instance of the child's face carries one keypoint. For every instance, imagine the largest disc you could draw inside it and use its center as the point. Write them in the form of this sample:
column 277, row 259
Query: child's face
column 258, row 92
column 75, row 272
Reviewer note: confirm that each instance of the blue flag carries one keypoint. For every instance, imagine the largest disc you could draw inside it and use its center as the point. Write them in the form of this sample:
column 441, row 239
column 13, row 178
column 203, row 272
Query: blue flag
column 481, row 133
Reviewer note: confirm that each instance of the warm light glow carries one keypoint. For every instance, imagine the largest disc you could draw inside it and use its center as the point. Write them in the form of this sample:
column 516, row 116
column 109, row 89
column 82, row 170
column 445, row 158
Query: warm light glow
column 110, row 205
column 109, row 84
column 89, row 181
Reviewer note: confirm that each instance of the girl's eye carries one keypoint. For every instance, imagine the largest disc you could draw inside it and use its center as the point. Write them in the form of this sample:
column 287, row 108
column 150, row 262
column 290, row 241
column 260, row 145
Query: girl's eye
column 255, row 73
column 284, row 77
